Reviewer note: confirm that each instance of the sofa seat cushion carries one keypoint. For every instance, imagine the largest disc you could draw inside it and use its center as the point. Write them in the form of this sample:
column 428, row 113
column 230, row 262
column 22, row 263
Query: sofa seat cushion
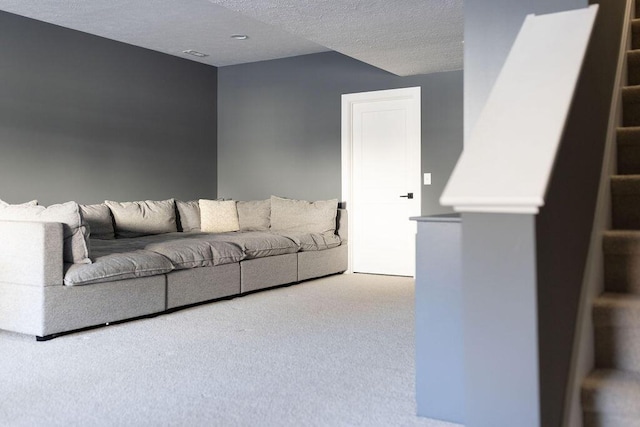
column 258, row 244
column 313, row 241
column 117, row 266
column 197, row 252
column 100, row 247
column 105, row 247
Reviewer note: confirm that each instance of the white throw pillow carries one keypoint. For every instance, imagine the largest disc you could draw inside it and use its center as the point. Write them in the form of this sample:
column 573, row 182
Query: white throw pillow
column 218, row 216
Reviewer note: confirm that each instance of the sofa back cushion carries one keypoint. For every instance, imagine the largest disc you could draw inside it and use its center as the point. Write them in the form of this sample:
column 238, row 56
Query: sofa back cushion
column 98, row 217
column 31, row 203
column 254, row 215
column 75, row 233
column 133, row 219
column 189, row 215
column 218, row 216
column 303, row 216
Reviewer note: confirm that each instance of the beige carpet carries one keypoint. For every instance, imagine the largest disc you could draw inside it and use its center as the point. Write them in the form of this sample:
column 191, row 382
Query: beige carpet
column 332, row 352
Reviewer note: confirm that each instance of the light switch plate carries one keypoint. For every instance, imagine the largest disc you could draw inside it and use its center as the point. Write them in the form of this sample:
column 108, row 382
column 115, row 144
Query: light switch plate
column 427, row 179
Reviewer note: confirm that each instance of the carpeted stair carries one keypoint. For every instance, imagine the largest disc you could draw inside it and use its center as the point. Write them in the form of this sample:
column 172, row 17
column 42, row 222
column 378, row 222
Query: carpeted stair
column 611, row 393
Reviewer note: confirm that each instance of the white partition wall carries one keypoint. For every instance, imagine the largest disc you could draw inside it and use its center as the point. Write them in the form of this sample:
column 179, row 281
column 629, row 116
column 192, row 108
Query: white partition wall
column 509, row 155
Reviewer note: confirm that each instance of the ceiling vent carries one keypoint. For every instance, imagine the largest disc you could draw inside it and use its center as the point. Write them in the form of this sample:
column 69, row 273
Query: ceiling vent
column 194, row 53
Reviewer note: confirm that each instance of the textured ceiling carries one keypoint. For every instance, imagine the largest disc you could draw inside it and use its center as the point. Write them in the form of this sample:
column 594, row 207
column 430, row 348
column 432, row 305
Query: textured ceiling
column 404, row 37
column 171, row 27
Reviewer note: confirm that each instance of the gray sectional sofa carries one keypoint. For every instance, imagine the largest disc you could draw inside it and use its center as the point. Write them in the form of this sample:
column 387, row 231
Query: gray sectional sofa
column 69, row 267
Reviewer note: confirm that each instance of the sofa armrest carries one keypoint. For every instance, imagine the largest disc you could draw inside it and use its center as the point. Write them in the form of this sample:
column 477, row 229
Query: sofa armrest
column 342, row 226
column 31, row 253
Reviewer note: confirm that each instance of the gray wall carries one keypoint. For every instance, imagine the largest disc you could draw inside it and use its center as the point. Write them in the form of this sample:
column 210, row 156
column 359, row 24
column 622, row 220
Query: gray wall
column 279, row 125
column 85, row 118
column 500, row 321
column 490, row 28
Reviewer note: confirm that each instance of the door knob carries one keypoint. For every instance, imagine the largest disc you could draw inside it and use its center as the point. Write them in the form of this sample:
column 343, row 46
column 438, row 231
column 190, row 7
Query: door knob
column 408, row 196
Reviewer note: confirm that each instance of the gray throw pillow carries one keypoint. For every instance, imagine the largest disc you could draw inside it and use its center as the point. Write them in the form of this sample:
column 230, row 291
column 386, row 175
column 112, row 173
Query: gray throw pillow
column 99, row 219
column 76, row 235
column 303, row 216
column 133, row 219
column 254, row 215
column 189, row 213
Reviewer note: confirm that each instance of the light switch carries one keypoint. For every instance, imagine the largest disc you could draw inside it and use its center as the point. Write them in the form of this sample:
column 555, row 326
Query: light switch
column 427, row 179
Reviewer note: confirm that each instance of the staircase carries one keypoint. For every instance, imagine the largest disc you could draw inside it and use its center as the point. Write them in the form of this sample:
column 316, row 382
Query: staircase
column 611, row 393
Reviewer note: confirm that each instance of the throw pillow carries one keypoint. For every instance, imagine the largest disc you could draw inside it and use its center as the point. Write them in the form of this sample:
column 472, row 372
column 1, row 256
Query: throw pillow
column 303, row 216
column 99, row 219
column 76, row 235
column 254, row 215
column 218, row 216
column 189, row 215
column 133, row 219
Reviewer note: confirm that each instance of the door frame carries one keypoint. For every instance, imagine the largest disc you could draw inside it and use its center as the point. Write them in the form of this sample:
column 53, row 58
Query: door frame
column 348, row 102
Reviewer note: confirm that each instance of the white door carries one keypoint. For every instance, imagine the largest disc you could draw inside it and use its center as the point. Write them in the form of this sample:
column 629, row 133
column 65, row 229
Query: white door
column 381, row 179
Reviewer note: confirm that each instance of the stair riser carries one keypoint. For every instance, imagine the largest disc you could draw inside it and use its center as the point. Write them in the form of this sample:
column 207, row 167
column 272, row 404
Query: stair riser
column 631, row 114
column 591, row 419
column 633, row 69
column 628, row 159
column 622, row 273
column 635, row 40
column 618, row 348
column 625, row 214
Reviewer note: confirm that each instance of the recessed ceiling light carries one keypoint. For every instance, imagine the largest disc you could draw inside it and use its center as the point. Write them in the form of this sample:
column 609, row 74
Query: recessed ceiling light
column 239, row 36
column 194, row 53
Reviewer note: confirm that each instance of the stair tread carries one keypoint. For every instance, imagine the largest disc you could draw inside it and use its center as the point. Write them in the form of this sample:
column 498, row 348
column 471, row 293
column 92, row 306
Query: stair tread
column 625, row 184
column 621, row 300
column 626, row 177
column 631, row 94
column 623, row 234
column 617, row 310
column 612, row 391
column 628, row 135
column 621, row 242
column 635, row 24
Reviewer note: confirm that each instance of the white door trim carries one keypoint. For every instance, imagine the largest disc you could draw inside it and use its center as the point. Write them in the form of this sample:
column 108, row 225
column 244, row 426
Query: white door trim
column 348, row 102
